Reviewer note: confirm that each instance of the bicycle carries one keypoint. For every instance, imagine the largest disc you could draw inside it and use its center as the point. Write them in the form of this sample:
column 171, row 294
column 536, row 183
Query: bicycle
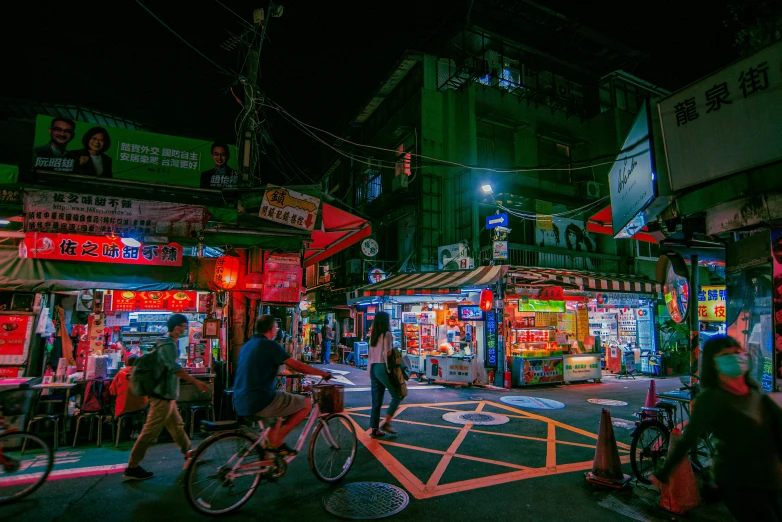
column 650, row 440
column 25, row 459
column 233, row 460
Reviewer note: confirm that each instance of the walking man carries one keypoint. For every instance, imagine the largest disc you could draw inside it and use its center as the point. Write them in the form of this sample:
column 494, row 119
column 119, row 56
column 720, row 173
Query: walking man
column 163, row 412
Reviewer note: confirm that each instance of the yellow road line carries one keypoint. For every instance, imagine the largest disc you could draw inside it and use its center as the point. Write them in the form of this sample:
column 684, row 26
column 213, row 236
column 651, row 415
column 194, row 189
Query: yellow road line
column 551, row 448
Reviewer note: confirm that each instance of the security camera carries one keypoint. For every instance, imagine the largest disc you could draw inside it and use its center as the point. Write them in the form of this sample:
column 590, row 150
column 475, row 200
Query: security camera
column 503, row 230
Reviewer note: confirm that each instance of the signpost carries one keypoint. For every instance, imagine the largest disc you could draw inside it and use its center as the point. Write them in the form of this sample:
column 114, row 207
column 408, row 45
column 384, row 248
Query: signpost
column 497, row 220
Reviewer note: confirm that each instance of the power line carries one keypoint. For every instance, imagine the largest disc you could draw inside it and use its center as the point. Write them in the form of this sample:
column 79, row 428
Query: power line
column 245, row 22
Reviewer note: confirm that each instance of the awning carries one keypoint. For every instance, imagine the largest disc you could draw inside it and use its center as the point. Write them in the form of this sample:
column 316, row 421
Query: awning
column 434, row 283
column 576, row 279
column 339, row 231
column 601, row 223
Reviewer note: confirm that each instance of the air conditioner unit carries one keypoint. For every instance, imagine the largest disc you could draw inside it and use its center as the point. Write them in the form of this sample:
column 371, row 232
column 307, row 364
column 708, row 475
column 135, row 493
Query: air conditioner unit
column 562, row 87
column 546, row 82
column 353, row 266
column 592, row 189
column 400, row 183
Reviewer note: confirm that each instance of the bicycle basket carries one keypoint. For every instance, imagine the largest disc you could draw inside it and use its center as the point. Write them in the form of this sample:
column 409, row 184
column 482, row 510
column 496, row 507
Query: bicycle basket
column 16, row 402
column 330, row 397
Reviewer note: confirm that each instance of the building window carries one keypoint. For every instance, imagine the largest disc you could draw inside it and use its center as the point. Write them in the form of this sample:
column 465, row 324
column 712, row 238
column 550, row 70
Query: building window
column 554, row 155
column 647, row 250
column 370, row 188
column 403, row 161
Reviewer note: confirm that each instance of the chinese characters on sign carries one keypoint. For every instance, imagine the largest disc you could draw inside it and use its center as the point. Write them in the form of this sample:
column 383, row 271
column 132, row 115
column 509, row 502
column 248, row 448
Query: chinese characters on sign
column 172, row 301
column 726, row 123
column 97, row 249
column 282, row 278
column 289, row 208
column 46, row 211
column 136, row 153
column 15, row 331
column 711, row 304
column 491, row 340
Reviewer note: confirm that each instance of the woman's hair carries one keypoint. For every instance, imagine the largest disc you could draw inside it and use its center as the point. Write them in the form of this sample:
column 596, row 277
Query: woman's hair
column 85, row 140
column 131, row 361
column 379, row 327
column 709, row 376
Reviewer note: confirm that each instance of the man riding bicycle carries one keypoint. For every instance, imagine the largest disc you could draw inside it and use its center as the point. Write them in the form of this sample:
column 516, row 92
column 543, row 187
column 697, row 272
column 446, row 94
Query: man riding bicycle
column 254, row 386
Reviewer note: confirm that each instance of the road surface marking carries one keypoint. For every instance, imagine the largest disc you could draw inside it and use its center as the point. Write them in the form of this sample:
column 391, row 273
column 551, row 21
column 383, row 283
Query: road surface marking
column 64, row 474
column 408, row 388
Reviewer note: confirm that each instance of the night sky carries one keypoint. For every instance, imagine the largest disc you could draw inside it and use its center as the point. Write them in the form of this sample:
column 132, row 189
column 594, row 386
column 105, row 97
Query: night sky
column 321, row 61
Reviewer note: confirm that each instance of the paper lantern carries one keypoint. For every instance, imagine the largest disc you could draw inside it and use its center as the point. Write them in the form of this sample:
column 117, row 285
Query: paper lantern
column 226, row 272
column 487, row 300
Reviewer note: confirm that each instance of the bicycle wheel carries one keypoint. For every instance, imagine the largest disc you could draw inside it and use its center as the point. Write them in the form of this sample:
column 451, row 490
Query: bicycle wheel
column 333, row 448
column 21, row 474
column 210, row 485
column 703, row 456
column 649, row 449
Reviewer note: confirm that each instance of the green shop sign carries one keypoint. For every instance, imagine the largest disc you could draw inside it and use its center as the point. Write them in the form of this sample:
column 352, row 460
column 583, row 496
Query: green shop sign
column 113, row 152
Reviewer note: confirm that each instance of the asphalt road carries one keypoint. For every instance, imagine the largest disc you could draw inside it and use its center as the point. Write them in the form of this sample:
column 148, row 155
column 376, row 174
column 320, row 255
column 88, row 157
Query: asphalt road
column 529, row 468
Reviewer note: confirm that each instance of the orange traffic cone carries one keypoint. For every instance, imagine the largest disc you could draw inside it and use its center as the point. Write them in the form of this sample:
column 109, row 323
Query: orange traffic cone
column 607, row 469
column 651, row 395
column 680, row 495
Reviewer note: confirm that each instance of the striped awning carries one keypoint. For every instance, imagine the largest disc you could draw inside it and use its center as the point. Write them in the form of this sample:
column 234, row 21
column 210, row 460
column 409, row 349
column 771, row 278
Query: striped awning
column 434, row 283
column 587, row 281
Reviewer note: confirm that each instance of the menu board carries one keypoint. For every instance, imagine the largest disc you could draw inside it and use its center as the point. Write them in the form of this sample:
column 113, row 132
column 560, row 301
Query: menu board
column 15, row 332
column 173, row 301
column 582, row 323
column 566, row 323
column 281, row 278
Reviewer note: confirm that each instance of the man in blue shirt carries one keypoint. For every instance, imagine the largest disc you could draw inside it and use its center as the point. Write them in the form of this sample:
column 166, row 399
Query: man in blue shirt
column 254, row 390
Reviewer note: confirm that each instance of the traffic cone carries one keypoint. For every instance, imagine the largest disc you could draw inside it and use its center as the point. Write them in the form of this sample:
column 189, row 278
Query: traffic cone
column 680, row 495
column 607, row 469
column 651, row 395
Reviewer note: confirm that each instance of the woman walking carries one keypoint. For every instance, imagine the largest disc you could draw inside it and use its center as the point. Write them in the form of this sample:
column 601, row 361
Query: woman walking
column 746, row 425
column 380, row 343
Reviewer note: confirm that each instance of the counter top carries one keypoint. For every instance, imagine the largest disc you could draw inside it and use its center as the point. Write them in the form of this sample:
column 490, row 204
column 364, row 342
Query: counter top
column 203, row 375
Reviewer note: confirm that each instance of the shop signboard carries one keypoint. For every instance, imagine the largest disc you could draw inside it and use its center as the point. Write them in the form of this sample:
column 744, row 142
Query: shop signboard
column 500, row 250
column 409, row 318
column 582, row 323
column 282, row 278
column 536, row 305
column 582, row 368
column 170, row 300
column 130, row 154
column 454, row 257
column 608, row 299
column 470, row 313
column 490, row 359
column 76, row 212
column 162, row 318
column 97, row 249
column 700, row 122
column 712, row 302
column 631, row 179
column 375, row 275
column 15, row 333
column 289, row 207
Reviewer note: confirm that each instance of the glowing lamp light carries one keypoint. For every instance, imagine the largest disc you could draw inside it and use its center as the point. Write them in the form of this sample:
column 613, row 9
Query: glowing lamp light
column 486, row 300
column 226, row 272
column 486, row 189
column 131, row 242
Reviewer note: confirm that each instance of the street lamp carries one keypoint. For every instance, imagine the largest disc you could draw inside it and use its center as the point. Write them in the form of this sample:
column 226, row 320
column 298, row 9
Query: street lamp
column 487, row 189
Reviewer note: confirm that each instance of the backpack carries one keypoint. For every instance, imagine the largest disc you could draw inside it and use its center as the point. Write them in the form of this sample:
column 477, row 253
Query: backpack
column 146, row 374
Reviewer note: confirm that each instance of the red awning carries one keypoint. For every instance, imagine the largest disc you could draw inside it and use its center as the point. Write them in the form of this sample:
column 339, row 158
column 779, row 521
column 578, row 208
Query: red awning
column 340, row 230
column 602, row 224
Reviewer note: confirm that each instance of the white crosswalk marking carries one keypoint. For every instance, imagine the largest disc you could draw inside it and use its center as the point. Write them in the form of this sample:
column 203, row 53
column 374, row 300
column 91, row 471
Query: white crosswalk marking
column 433, row 387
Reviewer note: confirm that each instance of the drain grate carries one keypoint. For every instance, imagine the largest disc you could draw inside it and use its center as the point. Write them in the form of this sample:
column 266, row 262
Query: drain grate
column 366, row 501
column 479, row 418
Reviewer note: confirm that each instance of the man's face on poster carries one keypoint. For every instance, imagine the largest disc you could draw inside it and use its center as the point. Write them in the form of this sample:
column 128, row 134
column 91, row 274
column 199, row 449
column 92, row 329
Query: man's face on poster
column 61, row 133
column 220, row 157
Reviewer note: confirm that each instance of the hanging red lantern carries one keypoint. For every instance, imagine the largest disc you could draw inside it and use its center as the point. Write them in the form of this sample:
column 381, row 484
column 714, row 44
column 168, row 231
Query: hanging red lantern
column 487, row 300
column 226, row 272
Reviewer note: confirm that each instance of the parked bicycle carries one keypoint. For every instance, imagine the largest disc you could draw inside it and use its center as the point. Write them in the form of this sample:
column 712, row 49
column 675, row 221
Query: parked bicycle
column 228, row 467
column 650, row 440
column 25, row 459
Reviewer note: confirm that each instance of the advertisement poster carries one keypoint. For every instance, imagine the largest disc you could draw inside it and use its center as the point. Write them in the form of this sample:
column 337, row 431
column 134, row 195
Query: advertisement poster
column 113, row 152
column 454, row 257
column 712, row 302
column 97, row 249
column 500, row 250
column 15, row 332
column 567, row 323
column 566, row 233
column 539, row 371
column 582, row 323
column 282, row 278
column 536, row 305
column 76, row 212
column 289, row 208
column 491, row 358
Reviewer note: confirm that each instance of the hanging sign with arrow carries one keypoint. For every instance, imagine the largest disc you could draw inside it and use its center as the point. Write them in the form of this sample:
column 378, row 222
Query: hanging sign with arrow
column 289, row 208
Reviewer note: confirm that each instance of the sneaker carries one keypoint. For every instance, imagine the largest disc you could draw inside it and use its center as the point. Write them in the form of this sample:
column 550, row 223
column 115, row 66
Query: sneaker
column 283, row 450
column 137, row 473
column 388, row 429
column 377, row 434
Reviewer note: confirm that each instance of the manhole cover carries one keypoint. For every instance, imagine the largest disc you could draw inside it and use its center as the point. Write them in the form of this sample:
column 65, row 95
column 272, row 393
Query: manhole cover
column 533, row 403
column 478, row 418
column 366, row 501
column 607, row 402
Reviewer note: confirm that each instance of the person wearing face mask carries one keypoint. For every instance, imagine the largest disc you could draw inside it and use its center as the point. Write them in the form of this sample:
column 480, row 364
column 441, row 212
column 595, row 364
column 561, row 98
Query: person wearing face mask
column 746, row 425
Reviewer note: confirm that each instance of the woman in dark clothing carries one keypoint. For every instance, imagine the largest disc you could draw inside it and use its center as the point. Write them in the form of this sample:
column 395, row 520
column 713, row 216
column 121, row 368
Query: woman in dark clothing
column 92, row 160
column 380, row 343
column 745, row 424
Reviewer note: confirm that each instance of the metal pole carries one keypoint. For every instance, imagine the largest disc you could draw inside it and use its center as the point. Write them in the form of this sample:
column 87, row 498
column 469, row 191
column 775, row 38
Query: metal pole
column 692, row 308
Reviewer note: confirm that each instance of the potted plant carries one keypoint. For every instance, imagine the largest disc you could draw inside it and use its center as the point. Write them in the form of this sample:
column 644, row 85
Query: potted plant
column 675, row 357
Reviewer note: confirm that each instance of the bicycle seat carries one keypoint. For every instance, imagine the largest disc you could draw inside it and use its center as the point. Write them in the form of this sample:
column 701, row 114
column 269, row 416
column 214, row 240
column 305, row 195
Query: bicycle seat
column 667, row 406
column 220, row 425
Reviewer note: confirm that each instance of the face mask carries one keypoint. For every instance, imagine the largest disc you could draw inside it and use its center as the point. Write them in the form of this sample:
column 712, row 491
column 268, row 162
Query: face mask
column 732, row 365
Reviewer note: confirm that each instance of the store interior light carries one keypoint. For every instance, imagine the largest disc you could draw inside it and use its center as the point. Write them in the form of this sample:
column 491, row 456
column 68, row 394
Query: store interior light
column 129, row 241
column 487, row 189
column 4, row 222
